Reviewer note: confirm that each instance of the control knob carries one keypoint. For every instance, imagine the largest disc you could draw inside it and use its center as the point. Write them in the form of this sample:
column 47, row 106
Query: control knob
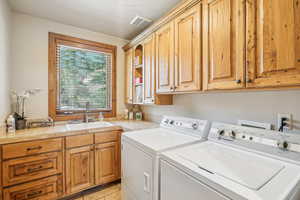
column 232, row 134
column 221, row 133
column 166, row 121
column 283, row 144
column 195, row 125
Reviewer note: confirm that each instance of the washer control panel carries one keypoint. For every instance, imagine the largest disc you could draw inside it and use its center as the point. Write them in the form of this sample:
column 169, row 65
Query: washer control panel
column 227, row 132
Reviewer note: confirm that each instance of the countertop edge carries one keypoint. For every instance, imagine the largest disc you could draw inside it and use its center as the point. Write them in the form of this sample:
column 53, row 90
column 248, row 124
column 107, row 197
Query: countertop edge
column 60, row 131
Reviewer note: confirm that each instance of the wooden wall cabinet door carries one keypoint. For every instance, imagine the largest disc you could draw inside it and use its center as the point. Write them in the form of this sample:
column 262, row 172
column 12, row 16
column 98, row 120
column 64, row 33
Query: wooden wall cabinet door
column 187, row 50
column 223, row 40
column 129, row 76
column 149, row 70
column 79, row 169
column 107, row 162
column 165, row 59
column 273, row 43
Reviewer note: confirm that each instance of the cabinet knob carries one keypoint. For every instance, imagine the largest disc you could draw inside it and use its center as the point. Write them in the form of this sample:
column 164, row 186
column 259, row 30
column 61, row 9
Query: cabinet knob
column 238, row 81
column 249, row 81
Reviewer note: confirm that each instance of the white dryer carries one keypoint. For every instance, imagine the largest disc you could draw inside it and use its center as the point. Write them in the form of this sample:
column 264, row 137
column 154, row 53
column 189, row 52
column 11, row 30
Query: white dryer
column 141, row 150
column 236, row 163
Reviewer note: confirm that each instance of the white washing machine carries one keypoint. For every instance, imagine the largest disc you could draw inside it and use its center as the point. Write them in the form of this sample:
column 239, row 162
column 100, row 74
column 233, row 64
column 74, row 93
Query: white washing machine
column 236, row 163
column 141, row 150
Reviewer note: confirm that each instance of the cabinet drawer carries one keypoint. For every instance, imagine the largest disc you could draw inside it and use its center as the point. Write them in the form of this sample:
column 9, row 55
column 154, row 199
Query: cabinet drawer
column 46, row 189
column 30, row 168
column 105, row 137
column 30, row 148
column 79, row 140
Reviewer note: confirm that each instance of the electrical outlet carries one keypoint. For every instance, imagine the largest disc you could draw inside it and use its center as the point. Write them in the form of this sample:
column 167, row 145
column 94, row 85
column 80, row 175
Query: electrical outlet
column 289, row 122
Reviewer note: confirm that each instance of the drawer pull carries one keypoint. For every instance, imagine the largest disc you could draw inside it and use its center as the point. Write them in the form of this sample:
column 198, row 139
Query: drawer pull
column 32, row 194
column 35, row 169
column 34, row 148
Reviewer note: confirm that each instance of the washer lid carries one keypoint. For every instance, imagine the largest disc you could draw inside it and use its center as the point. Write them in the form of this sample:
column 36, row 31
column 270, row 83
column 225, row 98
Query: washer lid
column 250, row 170
column 159, row 139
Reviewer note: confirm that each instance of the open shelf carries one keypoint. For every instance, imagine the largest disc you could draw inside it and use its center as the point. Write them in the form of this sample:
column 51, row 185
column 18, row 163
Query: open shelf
column 139, row 66
column 138, row 75
column 139, row 84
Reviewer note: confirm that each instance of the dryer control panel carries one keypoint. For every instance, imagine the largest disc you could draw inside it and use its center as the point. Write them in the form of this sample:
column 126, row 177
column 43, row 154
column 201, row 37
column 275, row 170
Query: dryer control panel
column 189, row 125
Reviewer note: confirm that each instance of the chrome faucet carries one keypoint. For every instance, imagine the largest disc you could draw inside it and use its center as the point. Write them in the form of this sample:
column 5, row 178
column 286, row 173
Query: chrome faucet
column 86, row 113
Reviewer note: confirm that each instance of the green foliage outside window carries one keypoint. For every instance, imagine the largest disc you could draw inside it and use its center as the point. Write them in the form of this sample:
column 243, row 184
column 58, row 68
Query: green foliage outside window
column 83, row 77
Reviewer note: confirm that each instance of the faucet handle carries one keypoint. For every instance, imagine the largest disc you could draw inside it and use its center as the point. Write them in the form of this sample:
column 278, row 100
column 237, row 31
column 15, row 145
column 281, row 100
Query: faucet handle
column 87, row 105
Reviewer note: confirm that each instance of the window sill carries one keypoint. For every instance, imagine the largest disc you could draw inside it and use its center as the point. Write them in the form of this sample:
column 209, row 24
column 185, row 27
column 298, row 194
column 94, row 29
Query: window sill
column 62, row 117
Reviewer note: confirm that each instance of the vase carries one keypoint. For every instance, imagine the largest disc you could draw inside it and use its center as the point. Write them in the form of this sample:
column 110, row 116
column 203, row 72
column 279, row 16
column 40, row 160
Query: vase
column 21, row 124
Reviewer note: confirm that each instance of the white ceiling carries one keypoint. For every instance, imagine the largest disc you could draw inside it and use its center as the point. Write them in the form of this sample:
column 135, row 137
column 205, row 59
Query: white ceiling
column 106, row 16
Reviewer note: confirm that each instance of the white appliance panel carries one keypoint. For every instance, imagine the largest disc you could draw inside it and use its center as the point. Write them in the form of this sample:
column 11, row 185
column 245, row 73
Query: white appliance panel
column 137, row 172
column 159, row 139
column 177, row 185
column 142, row 149
column 244, row 168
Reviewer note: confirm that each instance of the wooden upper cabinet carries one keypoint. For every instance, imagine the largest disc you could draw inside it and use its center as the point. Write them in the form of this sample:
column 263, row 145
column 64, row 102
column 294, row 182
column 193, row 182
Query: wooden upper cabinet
column 165, row 59
column 187, row 50
column 129, row 76
column 223, row 40
column 273, row 43
column 149, row 70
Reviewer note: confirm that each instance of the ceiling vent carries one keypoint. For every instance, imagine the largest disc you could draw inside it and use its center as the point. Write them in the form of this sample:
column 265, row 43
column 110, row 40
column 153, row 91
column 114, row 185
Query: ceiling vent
column 138, row 21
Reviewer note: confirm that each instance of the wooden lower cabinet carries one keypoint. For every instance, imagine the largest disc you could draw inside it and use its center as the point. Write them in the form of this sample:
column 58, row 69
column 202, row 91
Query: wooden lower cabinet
column 60, row 168
column 46, row 189
column 79, row 169
column 106, row 162
column 30, row 168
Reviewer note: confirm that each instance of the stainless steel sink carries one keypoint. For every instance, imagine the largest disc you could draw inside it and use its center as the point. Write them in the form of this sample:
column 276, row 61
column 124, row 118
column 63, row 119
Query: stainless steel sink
column 90, row 125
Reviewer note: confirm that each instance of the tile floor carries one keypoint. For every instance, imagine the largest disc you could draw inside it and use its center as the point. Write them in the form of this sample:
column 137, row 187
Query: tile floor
column 111, row 193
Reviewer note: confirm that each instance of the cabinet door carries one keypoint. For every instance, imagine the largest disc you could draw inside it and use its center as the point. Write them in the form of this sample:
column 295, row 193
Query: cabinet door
column 165, row 59
column 223, row 39
column 107, row 162
column 129, row 74
column 187, row 51
column 273, row 43
column 149, row 70
column 79, row 168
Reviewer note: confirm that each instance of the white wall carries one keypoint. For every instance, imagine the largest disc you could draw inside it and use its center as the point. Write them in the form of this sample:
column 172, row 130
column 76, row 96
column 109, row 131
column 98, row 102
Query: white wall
column 231, row 106
column 5, row 32
column 30, row 58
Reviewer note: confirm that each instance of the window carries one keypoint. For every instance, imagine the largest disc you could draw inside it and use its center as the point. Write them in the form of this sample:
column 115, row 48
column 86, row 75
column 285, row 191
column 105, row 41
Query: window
column 80, row 72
